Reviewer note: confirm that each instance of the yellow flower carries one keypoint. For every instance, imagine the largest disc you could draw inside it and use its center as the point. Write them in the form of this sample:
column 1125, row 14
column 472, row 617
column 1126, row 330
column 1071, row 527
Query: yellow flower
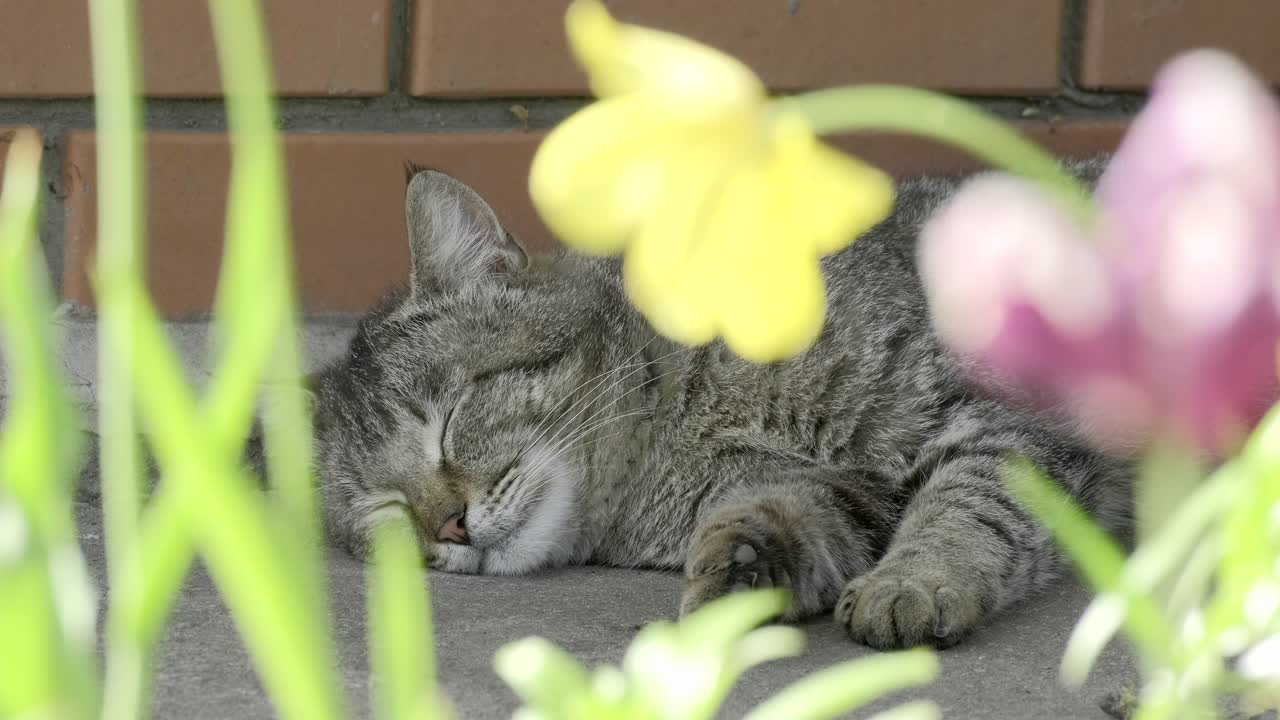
column 721, row 202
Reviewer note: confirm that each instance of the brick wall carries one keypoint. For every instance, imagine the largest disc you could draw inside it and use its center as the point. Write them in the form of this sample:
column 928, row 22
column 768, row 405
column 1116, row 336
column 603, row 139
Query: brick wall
column 469, row 86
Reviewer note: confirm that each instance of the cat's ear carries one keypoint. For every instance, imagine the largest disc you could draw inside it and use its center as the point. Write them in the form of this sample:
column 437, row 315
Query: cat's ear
column 454, row 236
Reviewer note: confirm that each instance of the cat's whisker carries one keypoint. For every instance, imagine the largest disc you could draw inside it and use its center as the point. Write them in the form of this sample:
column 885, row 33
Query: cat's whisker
column 586, row 402
column 591, row 393
column 548, row 455
column 569, row 429
column 596, row 393
column 587, row 426
column 596, row 379
column 570, row 441
column 593, row 441
column 579, row 403
column 617, row 400
column 522, row 484
column 559, row 450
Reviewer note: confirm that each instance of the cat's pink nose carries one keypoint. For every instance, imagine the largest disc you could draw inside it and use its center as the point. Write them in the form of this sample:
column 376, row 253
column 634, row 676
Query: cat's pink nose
column 454, row 530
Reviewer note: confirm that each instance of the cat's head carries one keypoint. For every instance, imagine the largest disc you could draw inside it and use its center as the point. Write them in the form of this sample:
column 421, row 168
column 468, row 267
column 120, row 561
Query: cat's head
column 442, row 405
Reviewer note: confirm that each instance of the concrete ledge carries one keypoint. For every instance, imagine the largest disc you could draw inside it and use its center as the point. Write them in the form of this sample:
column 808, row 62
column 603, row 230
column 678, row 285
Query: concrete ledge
column 1007, row 672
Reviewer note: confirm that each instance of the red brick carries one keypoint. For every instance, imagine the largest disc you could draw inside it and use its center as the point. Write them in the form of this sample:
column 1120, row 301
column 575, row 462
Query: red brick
column 347, row 193
column 319, row 48
column 347, row 208
column 500, row 47
column 1126, row 41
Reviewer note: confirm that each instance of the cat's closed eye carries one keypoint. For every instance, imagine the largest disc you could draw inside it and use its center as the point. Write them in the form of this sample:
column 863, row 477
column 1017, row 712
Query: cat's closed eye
column 415, row 410
column 444, row 432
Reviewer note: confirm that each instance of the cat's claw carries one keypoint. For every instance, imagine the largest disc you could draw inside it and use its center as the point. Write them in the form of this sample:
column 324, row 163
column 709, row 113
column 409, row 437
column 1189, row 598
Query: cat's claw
column 724, row 562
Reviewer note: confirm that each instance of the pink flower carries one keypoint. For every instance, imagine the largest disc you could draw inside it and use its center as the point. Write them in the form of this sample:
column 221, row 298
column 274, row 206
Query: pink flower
column 1163, row 316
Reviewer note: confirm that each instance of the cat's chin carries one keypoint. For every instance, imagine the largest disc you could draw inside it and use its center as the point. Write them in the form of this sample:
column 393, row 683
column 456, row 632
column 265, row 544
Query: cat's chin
column 510, row 560
column 544, row 540
column 463, row 559
column 544, row 535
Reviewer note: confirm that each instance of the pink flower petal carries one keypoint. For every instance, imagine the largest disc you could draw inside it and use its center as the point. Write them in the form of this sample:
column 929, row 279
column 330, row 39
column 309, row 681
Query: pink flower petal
column 999, row 245
column 1208, row 116
column 1165, row 317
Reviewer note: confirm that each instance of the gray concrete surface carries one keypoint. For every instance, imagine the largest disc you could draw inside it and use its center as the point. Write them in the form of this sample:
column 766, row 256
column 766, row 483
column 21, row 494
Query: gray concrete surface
column 1006, row 672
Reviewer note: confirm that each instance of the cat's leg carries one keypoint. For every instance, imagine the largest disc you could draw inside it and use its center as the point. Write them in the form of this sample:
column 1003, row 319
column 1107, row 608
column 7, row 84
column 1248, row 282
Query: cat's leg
column 964, row 547
column 806, row 530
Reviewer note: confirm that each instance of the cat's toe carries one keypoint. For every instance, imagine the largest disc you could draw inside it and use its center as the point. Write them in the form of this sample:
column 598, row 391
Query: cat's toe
column 890, row 609
column 725, row 563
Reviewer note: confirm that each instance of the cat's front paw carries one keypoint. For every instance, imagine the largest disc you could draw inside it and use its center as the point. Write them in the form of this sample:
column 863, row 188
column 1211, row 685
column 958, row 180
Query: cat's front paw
column 898, row 607
column 730, row 558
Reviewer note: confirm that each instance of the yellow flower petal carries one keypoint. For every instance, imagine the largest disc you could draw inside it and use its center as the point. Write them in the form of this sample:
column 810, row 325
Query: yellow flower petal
column 622, row 59
column 769, row 292
column 835, row 197
column 774, row 309
column 661, row 266
column 599, row 173
column 722, row 207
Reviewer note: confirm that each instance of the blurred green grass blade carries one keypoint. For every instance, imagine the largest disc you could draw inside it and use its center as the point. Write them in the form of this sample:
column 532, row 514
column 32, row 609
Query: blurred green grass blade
column 168, row 551
column 1247, row 559
column 39, row 418
column 33, row 664
column 845, row 687
column 1092, row 633
column 1162, row 559
column 767, row 644
column 46, row 609
column 254, row 327
column 726, row 620
column 1191, row 585
column 28, row 629
column 1168, row 476
column 548, row 679
column 1184, row 526
column 1250, row 535
column 117, row 108
column 1263, row 446
column 262, row 588
column 247, row 552
column 400, row 630
column 1096, row 554
column 255, row 305
column 254, row 297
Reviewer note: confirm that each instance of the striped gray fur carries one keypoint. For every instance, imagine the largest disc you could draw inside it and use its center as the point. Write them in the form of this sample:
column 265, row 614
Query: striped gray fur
column 526, row 393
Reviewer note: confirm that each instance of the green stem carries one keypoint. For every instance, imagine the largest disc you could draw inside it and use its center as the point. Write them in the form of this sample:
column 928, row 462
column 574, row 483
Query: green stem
column 889, row 108
column 849, row 685
column 120, row 208
column 46, row 617
column 242, row 543
column 255, row 304
column 254, row 320
column 401, row 644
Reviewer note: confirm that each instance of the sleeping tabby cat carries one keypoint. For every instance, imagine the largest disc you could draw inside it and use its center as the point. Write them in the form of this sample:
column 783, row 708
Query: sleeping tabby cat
column 525, row 416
